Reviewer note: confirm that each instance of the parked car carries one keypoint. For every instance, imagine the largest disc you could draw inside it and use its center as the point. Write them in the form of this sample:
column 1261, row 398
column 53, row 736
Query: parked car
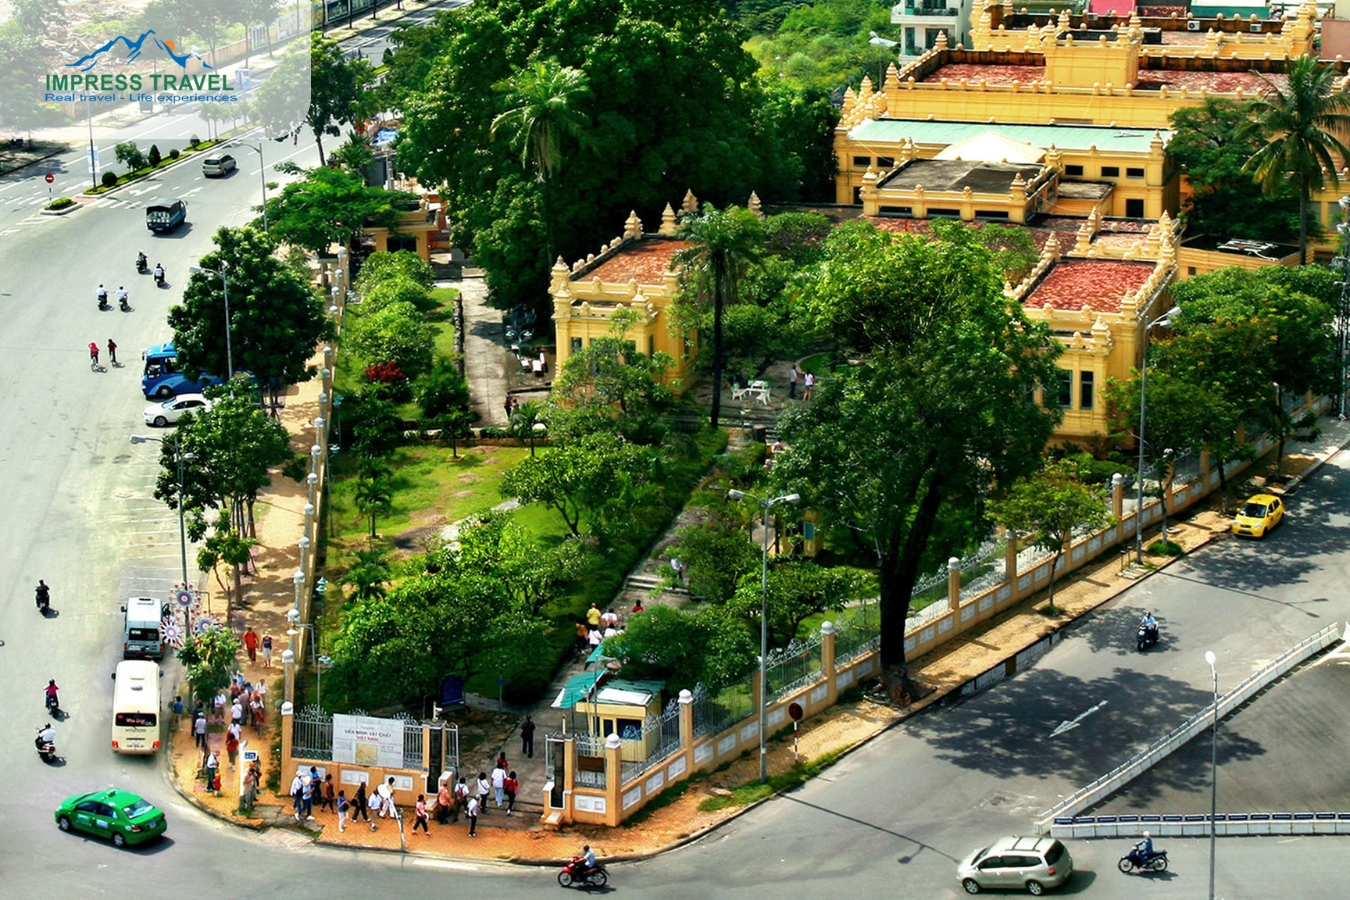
column 218, row 166
column 1258, row 515
column 120, row 816
column 1030, row 863
column 171, row 410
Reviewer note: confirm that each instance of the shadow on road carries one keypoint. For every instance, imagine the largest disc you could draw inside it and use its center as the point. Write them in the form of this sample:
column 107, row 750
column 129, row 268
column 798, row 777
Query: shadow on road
column 904, row 837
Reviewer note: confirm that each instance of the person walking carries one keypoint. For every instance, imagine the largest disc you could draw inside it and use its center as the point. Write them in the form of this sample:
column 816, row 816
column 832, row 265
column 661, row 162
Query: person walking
column 212, row 764
column 512, row 787
column 374, row 803
column 93, row 355
column 792, row 382
column 251, row 644
column 112, row 351
column 388, row 809
column 232, row 745
column 248, row 796
column 343, row 807
column 461, row 797
column 328, row 801
column 307, row 797
column 582, row 632
column 444, row 800
column 498, row 781
column 810, row 386
column 267, row 650
column 199, row 728
column 484, row 788
column 359, row 803
column 420, row 817
column 527, row 738
column 472, row 812
column 297, row 795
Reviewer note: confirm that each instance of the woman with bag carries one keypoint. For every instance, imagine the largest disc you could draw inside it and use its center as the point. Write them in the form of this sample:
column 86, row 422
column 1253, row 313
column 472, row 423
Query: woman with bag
column 511, row 785
column 342, row 807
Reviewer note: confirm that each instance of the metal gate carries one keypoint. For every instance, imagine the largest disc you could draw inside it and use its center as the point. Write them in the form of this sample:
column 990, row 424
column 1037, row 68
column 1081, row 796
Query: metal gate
column 444, row 752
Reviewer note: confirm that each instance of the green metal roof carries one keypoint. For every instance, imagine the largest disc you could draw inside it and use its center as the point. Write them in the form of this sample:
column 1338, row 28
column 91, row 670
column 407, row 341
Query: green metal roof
column 1063, row 137
column 576, row 688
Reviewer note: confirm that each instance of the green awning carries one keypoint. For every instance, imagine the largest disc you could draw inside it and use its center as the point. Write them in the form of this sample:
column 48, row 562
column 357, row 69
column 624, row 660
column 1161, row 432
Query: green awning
column 576, row 688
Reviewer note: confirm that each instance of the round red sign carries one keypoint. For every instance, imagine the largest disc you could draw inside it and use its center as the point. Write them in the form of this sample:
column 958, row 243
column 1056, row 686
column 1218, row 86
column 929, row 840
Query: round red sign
column 50, row 177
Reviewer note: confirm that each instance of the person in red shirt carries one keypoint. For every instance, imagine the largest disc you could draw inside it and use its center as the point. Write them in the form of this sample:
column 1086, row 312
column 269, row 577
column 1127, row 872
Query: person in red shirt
column 251, row 644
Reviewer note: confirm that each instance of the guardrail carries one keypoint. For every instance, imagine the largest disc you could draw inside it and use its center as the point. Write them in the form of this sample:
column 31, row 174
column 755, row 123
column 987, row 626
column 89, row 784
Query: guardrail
column 1163, row 747
column 1197, row 825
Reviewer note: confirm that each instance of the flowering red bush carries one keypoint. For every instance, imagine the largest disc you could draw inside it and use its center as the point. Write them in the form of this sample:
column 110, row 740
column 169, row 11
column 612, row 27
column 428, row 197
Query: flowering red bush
column 385, row 373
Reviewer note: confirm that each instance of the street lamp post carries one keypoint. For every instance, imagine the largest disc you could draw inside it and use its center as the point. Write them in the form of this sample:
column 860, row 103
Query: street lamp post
column 1343, row 312
column 1164, row 319
column 1213, row 770
column 179, row 459
column 766, row 504
column 225, row 283
column 262, row 172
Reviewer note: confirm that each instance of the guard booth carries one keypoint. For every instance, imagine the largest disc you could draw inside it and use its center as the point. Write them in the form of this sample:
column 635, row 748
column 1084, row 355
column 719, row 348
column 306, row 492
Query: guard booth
column 621, row 707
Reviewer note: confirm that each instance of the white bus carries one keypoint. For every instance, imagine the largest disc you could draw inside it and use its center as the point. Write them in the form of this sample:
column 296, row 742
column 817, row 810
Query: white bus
column 136, row 707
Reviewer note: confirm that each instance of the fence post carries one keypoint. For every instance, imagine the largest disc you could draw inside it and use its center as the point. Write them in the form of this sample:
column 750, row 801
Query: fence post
column 613, row 780
column 827, row 667
column 953, row 583
column 1117, row 495
column 687, row 729
column 287, row 741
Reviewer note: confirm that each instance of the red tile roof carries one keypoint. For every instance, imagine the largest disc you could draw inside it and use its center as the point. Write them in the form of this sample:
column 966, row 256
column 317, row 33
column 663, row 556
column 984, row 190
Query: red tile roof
column 647, row 261
column 1098, row 285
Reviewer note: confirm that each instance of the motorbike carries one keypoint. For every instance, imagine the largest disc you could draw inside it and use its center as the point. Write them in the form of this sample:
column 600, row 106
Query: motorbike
column 1147, row 637
column 44, row 599
column 46, row 749
column 159, row 277
column 596, row 877
column 1157, row 862
column 124, row 304
column 54, row 706
column 103, row 302
column 142, row 264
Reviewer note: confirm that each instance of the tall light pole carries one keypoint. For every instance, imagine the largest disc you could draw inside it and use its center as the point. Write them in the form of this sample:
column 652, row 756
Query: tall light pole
column 225, row 283
column 766, row 504
column 262, row 171
column 1213, row 769
column 1164, row 320
column 179, row 458
column 1343, row 312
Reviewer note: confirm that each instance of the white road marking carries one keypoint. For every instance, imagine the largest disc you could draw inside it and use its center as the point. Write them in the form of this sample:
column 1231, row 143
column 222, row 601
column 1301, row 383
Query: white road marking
column 1073, row 723
column 445, row 864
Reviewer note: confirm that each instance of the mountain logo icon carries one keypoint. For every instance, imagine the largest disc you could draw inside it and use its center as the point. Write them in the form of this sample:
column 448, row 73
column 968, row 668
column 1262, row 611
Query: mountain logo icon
column 133, row 51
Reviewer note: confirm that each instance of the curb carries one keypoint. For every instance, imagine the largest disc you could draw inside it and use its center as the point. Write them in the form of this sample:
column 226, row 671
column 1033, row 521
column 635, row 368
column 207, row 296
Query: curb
column 1303, row 476
column 63, row 211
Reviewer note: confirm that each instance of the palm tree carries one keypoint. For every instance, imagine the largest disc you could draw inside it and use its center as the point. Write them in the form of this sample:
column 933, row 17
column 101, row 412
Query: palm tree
column 367, row 575
column 542, row 111
column 723, row 245
column 525, row 418
column 1300, row 121
column 374, row 496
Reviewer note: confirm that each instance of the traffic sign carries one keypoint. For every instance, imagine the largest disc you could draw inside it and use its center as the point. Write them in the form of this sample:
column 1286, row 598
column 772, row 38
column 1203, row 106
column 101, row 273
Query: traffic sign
column 49, row 177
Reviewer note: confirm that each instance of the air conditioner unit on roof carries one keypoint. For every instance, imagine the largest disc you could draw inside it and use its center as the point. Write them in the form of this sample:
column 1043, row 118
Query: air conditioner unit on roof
column 1192, row 25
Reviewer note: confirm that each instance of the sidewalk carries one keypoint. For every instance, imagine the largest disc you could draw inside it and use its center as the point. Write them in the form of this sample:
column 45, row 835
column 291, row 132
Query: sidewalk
column 522, row 838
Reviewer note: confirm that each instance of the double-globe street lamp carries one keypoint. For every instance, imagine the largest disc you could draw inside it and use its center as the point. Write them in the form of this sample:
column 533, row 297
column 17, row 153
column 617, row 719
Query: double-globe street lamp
column 766, row 504
column 223, row 272
column 1165, row 319
column 179, row 459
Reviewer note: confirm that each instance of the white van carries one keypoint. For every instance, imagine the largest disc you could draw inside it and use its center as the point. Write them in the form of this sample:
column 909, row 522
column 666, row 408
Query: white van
column 142, row 636
column 136, row 707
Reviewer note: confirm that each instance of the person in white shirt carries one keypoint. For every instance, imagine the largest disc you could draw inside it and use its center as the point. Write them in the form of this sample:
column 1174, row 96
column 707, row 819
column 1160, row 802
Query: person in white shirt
column 498, row 779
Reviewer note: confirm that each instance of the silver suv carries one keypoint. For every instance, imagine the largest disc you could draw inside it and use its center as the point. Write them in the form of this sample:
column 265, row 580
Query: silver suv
column 218, row 166
column 1032, row 863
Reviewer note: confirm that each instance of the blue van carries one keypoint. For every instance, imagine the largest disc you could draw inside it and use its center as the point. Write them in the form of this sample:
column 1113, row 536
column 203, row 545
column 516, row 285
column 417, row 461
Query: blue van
column 165, row 214
column 161, row 378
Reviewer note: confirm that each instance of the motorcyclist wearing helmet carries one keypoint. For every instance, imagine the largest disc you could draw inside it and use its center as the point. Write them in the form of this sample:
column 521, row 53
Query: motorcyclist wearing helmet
column 1144, row 849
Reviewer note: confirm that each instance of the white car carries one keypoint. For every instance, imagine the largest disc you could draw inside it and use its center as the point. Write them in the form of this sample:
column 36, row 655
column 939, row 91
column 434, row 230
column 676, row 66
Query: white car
column 171, row 410
column 218, row 166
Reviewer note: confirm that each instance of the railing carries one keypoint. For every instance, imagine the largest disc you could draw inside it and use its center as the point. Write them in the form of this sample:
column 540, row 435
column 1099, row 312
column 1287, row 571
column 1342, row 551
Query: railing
column 917, row 10
column 592, row 746
column 793, row 667
column 1177, row 737
column 731, row 705
column 858, row 635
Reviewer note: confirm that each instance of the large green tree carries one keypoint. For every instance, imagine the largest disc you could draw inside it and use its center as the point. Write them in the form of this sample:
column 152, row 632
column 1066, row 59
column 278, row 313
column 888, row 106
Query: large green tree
column 276, row 319
column 1211, row 144
column 685, row 648
column 588, row 476
column 329, row 206
column 543, row 114
column 904, row 449
column 723, row 245
column 672, row 107
column 610, row 384
column 1300, row 121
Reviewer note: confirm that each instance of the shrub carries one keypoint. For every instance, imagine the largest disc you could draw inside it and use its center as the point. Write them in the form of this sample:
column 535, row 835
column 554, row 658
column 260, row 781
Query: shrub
column 61, row 203
column 381, row 267
column 175, row 153
column 194, row 141
column 109, row 179
column 493, row 432
column 129, row 155
column 154, row 156
column 396, row 332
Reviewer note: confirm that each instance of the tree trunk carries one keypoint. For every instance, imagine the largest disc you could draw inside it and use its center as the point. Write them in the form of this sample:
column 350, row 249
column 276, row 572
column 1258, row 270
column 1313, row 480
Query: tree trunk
column 318, row 142
column 717, row 349
column 899, row 570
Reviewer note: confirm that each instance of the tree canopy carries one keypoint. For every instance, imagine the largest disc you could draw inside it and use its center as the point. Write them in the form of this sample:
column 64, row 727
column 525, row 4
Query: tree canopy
column 276, row 319
column 905, row 448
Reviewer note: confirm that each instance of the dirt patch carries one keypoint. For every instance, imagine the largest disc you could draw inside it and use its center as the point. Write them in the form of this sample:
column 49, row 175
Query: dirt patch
column 415, row 539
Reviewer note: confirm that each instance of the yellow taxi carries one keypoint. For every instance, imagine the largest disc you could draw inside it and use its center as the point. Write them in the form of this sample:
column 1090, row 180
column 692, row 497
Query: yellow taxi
column 1258, row 515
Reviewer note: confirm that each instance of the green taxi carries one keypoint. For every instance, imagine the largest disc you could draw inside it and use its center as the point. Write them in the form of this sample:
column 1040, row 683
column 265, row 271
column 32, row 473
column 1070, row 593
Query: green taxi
column 120, row 816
